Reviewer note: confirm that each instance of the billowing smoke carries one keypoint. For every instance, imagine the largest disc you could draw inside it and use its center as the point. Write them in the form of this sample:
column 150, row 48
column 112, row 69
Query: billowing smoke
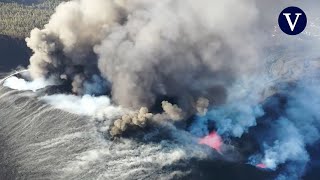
column 144, row 50
column 293, row 131
column 173, row 111
column 141, row 118
column 133, row 119
column 215, row 69
column 202, row 106
column 64, row 48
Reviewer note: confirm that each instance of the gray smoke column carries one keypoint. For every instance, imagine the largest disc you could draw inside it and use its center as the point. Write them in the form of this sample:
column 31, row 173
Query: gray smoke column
column 64, row 47
column 183, row 49
column 143, row 49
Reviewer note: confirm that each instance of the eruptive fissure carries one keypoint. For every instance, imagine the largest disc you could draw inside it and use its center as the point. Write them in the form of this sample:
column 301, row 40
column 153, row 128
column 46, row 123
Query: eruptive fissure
column 212, row 140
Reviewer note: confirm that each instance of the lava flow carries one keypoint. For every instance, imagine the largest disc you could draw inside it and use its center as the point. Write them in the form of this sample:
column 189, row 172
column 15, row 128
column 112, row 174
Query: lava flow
column 261, row 165
column 212, row 140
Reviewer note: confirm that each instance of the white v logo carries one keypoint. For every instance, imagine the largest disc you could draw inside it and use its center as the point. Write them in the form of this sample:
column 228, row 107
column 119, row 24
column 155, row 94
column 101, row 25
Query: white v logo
column 292, row 26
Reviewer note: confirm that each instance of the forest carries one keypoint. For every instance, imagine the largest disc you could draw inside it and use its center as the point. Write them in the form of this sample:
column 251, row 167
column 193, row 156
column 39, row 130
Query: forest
column 19, row 17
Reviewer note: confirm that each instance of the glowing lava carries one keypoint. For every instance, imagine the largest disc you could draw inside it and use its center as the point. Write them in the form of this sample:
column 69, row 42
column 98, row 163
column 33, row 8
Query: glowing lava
column 261, row 165
column 213, row 140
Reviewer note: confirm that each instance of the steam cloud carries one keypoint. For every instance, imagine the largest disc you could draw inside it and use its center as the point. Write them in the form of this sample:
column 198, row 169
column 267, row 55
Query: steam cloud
column 20, row 84
column 209, row 56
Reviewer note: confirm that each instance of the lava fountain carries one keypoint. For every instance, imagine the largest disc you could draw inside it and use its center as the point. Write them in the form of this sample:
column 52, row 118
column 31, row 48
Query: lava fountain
column 212, row 140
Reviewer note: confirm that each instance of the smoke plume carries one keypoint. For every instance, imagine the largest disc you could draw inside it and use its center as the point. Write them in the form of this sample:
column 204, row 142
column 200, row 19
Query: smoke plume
column 209, row 64
column 142, row 50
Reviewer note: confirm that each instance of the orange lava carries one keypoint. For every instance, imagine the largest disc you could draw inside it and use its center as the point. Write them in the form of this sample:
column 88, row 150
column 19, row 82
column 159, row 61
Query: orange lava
column 212, row 140
column 261, row 165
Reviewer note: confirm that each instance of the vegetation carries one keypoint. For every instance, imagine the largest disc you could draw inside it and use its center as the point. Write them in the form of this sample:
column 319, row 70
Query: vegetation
column 19, row 17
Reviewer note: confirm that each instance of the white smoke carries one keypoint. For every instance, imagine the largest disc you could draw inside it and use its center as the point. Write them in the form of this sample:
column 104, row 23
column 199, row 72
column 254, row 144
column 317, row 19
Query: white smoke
column 85, row 105
column 21, row 84
column 287, row 138
column 289, row 145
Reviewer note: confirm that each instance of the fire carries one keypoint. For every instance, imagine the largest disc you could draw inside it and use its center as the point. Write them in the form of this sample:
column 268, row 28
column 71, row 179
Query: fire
column 261, row 165
column 212, row 140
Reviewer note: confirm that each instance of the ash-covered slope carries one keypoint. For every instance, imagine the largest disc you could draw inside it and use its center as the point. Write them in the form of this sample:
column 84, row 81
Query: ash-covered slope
column 45, row 143
column 41, row 142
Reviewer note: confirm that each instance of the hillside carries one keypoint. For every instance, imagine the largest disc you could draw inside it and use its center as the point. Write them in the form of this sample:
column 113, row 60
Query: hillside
column 19, row 17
